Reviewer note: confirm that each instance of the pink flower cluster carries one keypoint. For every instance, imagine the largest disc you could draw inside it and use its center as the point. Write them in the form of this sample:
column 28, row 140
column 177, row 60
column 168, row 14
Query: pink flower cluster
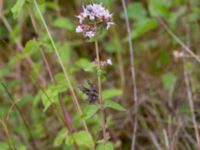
column 92, row 16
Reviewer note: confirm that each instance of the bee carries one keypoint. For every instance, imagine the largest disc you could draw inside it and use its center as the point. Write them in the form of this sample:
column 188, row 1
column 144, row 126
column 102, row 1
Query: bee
column 91, row 92
column 89, row 9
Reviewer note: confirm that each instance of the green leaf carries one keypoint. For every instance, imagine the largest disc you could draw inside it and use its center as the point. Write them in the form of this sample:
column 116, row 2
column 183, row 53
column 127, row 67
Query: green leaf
column 90, row 67
column 31, row 46
column 69, row 140
column 168, row 80
column 159, row 8
column 64, row 23
column 107, row 146
column 136, row 11
column 3, row 110
column 86, row 65
column 82, row 138
column 194, row 15
column 114, row 105
column 49, row 97
column 17, row 8
column 164, row 57
column 21, row 147
column 173, row 17
column 110, row 93
column 41, row 2
column 4, row 145
column 4, row 71
column 83, row 62
column 60, row 137
column 65, row 52
column 109, row 48
column 89, row 111
column 142, row 27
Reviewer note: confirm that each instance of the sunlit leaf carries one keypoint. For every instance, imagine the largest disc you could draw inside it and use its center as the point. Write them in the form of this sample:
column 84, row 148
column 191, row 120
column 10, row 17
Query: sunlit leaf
column 60, row 137
column 110, row 93
column 89, row 111
column 64, row 23
column 86, row 65
column 17, row 8
column 81, row 138
column 114, row 105
column 107, row 146
column 65, row 52
column 31, row 46
column 4, row 145
column 142, row 27
column 21, row 147
column 159, row 8
column 136, row 11
column 50, row 95
column 69, row 140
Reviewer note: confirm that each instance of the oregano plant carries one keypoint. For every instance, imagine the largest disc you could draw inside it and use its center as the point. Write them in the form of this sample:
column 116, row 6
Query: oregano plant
column 92, row 21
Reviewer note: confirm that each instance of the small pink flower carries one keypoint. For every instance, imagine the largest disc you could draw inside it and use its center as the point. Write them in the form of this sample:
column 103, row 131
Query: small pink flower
column 91, row 18
column 109, row 61
column 81, row 17
column 90, row 34
column 79, row 29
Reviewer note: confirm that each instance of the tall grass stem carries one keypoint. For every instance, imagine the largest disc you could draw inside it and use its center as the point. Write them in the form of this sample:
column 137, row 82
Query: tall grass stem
column 135, row 96
column 61, row 64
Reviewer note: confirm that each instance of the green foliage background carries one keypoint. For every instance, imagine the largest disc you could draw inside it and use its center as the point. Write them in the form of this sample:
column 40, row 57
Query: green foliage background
column 163, row 101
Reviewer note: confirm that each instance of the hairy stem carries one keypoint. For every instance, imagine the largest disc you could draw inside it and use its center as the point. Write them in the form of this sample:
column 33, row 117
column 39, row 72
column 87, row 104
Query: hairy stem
column 100, row 92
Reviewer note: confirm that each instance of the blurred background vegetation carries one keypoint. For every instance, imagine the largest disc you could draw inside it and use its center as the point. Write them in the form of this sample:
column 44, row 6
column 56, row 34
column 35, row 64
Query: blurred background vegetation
column 167, row 77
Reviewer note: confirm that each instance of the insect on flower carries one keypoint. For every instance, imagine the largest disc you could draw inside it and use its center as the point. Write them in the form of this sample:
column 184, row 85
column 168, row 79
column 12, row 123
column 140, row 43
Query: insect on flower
column 91, row 92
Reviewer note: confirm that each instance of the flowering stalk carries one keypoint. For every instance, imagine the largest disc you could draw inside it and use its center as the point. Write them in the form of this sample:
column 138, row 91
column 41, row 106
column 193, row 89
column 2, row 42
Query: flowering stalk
column 91, row 20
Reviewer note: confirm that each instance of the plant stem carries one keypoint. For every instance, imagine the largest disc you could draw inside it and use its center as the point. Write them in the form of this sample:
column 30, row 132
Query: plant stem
column 131, row 51
column 61, row 64
column 100, row 92
column 190, row 100
column 10, row 142
column 188, row 85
